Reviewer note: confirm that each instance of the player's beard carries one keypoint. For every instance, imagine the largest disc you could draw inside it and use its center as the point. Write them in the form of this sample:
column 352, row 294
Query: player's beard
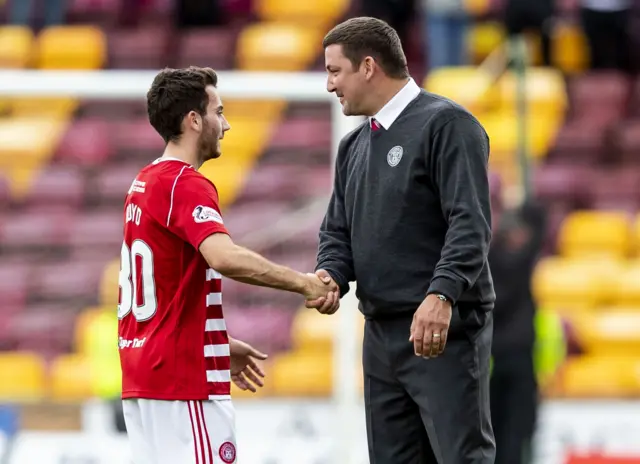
column 208, row 145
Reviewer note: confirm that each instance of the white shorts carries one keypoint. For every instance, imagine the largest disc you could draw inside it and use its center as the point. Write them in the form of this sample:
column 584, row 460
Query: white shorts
column 180, row 432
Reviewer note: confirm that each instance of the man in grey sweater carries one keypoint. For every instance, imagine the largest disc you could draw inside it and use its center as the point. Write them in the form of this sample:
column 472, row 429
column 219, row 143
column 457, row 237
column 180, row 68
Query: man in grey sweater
column 409, row 219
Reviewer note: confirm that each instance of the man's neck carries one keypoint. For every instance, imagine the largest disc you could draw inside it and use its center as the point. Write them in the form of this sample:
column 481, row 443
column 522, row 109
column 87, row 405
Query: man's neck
column 388, row 90
column 178, row 151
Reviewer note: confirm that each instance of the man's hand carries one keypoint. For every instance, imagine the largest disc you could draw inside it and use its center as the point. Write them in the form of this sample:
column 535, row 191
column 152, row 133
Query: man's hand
column 430, row 326
column 245, row 372
column 331, row 302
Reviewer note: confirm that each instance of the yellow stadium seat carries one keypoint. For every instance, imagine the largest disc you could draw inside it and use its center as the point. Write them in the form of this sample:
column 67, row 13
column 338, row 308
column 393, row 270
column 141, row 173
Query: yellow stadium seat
column 612, row 332
column 247, row 138
column 627, row 285
column 263, row 110
column 109, row 289
column 636, row 235
column 312, row 331
column 467, row 86
column 483, row 38
column 570, row 51
column 44, row 107
column 229, row 175
column 600, row 377
column 321, row 14
column 567, row 286
column 595, row 233
column 71, row 47
column 83, row 323
column 545, row 92
column 71, row 378
column 22, row 377
column 16, row 46
column 302, row 374
column 277, row 47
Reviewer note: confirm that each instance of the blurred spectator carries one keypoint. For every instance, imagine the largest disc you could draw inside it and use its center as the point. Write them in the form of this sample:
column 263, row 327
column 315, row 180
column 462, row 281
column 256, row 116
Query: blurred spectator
column 531, row 16
column 198, row 13
column 21, row 12
column 398, row 13
column 446, row 24
column 514, row 390
column 606, row 26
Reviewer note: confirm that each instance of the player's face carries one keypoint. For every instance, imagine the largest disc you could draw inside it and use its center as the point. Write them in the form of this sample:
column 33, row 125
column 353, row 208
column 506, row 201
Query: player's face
column 348, row 83
column 214, row 125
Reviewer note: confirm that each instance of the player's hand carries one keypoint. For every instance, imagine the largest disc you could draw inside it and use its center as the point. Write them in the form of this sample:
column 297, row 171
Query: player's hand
column 430, row 326
column 331, row 302
column 245, row 372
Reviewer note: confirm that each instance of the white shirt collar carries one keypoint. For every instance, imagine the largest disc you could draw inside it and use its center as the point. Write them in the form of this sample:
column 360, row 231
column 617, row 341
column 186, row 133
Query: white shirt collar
column 390, row 112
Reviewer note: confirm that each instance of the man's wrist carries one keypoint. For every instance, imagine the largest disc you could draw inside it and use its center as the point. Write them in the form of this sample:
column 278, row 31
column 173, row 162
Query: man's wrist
column 448, row 288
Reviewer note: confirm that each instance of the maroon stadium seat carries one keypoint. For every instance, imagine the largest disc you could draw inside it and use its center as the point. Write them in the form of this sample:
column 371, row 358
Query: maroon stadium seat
column 44, row 328
column 580, row 143
column 103, row 12
column 268, row 328
column 14, row 278
column 112, row 183
column 244, row 218
column 273, row 181
column 139, row 48
column 598, row 93
column 616, row 189
column 86, row 142
column 207, row 47
column 316, row 181
column 5, row 193
column 98, row 231
column 58, row 186
column 66, row 281
column 566, row 184
column 302, row 133
column 31, row 231
column 114, row 110
column 626, row 139
column 136, row 138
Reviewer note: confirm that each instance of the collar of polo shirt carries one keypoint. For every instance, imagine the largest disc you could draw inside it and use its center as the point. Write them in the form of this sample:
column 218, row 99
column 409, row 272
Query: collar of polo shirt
column 390, row 112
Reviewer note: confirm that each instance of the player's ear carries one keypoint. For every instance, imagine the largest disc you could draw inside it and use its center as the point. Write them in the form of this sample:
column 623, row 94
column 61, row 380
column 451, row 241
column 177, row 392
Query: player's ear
column 195, row 121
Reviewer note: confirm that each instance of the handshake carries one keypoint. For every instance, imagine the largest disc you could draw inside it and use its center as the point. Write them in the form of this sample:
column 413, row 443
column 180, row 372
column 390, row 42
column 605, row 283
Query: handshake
column 321, row 292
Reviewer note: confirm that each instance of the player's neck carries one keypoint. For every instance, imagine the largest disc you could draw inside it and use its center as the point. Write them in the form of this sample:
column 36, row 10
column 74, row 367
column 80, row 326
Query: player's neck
column 179, row 151
column 388, row 89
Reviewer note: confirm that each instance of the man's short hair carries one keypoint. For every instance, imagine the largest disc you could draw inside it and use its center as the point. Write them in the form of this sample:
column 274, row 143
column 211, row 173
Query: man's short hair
column 365, row 36
column 173, row 94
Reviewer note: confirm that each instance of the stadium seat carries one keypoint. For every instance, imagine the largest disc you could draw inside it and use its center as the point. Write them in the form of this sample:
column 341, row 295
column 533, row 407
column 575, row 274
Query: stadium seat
column 195, row 48
column 13, row 285
column 570, row 52
column 136, row 137
column 319, row 14
column 75, row 282
column 27, row 231
column 627, row 285
column 247, row 138
column 70, row 378
column 567, row 184
column 264, row 110
column 545, row 93
column 302, row 134
column 626, row 139
column 109, row 291
column 483, row 38
column 58, row 48
column 302, row 374
column 113, row 182
column 313, row 332
column 595, row 233
column 139, row 48
column 43, row 107
column 569, row 286
column 22, row 377
column 600, row 377
column 57, row 186
column 469, row 86
column 477, row 7
column 615, row 189
column 16, row 46
column 277, row 47
column 228, row 174
column 578, row 142
column 86, row 142
column 45, row 327
column 82, row 323
column 98, row 229
column 599, row 95
column 610, row 331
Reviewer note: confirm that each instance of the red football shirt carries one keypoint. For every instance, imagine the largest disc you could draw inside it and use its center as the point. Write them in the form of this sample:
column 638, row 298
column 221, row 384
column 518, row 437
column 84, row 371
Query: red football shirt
column 172, row 334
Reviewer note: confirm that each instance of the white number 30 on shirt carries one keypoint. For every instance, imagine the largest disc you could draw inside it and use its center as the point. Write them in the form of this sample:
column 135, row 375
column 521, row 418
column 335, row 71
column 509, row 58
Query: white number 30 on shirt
column 128, row 278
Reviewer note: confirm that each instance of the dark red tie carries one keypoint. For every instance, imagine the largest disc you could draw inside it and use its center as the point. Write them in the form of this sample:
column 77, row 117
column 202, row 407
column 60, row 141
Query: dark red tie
column 375, row 125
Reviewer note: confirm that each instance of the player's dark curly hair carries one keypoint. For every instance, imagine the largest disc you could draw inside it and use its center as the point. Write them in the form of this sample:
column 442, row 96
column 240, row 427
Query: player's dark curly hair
column 364, row 36
column 173, row 94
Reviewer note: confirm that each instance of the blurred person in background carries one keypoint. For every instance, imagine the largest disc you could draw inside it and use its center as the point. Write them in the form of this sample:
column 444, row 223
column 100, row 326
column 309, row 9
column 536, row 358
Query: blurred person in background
column 398, row 14
column 515, row 248
column 446, row 26
column 22, row 12
column 198, row 13
column 606, row 25
column 522, row 16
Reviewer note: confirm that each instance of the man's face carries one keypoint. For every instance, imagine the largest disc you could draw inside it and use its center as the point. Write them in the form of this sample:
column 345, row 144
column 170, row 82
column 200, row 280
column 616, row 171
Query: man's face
column 214, row 125
column 348, row 83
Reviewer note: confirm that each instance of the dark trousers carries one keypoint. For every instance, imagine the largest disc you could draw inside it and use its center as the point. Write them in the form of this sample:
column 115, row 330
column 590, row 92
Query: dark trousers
column 429, row 411
column 609, row 40
column 514, row 404
column 531, row 15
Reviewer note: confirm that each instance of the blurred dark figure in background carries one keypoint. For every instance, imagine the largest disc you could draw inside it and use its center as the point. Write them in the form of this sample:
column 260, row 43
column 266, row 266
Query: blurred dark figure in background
column 23, row 12
column 606, row 26
column 514, row 390
column 522, row 16
column 397, row 13
column 446, row 25
column 198, row 13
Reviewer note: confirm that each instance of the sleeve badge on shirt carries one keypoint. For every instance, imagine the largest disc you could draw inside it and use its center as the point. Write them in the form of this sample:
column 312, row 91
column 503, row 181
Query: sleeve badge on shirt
column 206, row 214
column 394, row 156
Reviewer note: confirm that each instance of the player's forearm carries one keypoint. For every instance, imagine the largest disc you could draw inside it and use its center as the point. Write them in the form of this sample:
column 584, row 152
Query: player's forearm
column 245, row 266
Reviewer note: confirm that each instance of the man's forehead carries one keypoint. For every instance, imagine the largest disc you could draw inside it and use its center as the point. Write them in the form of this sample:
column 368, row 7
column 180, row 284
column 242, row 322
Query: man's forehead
column 214, row 97
column 333, row 53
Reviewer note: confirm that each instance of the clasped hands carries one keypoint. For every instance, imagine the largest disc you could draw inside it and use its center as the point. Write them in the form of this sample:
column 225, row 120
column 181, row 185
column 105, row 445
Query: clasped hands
column 322, row 292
